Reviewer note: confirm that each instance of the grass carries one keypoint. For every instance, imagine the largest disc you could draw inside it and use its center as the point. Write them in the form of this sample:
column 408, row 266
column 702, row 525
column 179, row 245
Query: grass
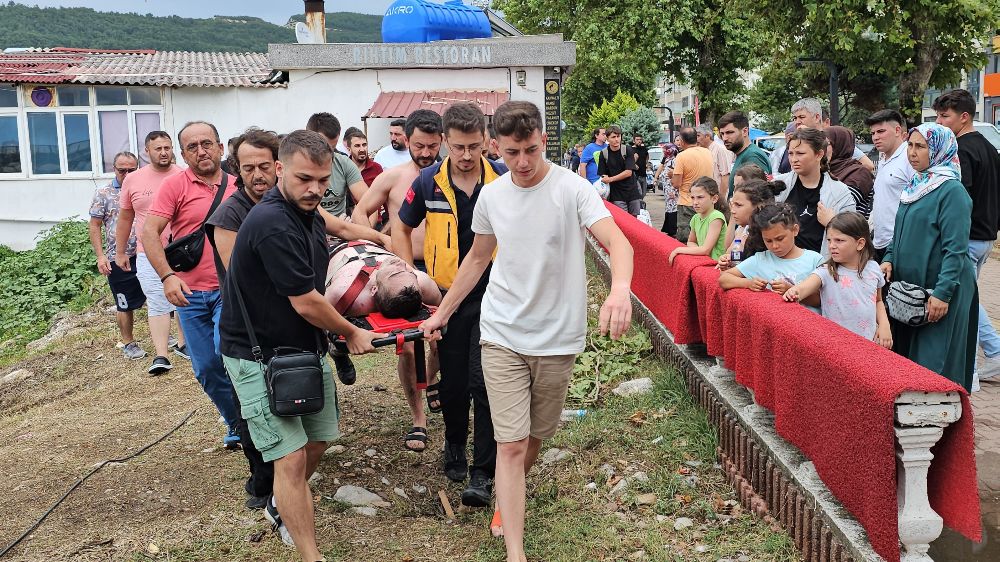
column 663, row 434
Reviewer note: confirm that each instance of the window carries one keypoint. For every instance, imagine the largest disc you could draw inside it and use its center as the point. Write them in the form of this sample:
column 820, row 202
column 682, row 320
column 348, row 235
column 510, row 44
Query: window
column 111, row 96
column 44, row 139
column 75, row 129
column 73, row 95
column 8, row 95
column 10, row 149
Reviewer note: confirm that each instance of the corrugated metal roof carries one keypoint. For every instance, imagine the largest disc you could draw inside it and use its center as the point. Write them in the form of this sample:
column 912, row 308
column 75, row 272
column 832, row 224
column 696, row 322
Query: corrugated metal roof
column 147, row 68
column 401, row 104
column 41, row 67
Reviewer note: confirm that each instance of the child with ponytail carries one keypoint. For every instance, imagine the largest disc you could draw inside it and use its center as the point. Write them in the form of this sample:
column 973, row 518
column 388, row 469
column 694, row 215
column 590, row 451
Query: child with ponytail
column 708, row 225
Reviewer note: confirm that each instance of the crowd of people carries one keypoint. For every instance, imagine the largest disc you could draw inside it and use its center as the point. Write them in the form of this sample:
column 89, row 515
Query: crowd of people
column 285, row 241
column 266, row 255
column 817, row 222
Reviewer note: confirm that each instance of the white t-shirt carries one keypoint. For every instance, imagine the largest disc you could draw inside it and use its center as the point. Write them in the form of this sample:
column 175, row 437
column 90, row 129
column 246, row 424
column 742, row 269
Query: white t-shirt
column 387, row 157
column 536, row 300
column 894, row 173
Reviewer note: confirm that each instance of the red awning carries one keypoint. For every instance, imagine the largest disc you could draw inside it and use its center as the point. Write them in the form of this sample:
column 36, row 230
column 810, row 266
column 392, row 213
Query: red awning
column 392, row 105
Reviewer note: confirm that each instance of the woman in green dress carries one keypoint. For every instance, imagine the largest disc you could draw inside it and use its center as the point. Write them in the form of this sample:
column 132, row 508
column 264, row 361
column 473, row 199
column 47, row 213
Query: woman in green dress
column 929, row 248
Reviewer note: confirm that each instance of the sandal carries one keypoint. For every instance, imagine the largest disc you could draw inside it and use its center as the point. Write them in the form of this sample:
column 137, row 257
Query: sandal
column 433, row 395
column 416, row 433
column 496, row 526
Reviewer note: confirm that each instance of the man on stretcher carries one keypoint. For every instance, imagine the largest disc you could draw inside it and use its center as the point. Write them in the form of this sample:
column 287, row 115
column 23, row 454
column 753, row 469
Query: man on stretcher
column 363, row 278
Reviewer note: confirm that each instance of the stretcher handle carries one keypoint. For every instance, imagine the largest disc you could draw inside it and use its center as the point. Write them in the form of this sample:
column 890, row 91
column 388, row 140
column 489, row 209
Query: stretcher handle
column 412, row 334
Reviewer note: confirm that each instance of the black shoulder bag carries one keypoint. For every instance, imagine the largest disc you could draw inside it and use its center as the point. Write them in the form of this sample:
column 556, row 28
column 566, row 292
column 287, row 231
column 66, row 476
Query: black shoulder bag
column 294, row 377
column 184, row 254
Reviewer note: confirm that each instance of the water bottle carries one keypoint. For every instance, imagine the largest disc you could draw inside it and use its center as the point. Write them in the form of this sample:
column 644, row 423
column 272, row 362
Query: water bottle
column 568, row 415
column 736, row 255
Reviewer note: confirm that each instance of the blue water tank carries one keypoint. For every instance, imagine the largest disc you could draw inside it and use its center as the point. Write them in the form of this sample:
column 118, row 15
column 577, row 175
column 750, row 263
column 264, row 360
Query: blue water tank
column 420, row 21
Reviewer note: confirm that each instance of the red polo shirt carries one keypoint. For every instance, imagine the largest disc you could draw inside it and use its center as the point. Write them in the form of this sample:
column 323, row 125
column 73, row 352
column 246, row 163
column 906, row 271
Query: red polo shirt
column 184, row 200
column 371, row 171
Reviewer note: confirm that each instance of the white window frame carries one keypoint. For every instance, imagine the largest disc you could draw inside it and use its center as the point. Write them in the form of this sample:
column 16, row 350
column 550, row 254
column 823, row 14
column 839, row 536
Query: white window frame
column 92, row 111
column 22, row 131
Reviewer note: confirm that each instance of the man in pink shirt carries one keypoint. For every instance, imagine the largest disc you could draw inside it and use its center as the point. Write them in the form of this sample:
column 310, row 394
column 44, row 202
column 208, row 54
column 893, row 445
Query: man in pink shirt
column 184, row 200
column 138, row 191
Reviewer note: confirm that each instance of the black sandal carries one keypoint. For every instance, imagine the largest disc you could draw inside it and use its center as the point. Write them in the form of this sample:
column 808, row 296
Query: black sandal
column 433, row 394
column 416, row 433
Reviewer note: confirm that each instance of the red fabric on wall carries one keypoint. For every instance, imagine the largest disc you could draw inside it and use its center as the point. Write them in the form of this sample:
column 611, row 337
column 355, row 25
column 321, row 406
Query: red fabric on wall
column 664, row 289
column 831, row 391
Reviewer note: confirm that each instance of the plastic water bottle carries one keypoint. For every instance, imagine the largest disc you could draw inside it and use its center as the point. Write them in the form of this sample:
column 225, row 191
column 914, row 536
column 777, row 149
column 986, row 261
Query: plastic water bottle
column 568, row 415
column 736, row 254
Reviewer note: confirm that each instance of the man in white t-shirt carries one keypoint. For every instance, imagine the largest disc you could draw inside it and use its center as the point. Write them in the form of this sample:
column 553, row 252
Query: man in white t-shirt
column 394, row 153
column 534, row 312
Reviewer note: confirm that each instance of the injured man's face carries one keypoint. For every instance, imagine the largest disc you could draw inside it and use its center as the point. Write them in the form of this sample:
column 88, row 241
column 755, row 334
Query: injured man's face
column 396, row 289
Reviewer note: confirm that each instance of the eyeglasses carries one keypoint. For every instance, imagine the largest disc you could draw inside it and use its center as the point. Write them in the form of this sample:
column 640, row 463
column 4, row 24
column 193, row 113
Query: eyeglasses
column 205, row 144
column 125, row 170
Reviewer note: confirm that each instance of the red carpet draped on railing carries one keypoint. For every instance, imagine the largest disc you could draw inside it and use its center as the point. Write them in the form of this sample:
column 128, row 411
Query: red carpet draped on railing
column 832, row 392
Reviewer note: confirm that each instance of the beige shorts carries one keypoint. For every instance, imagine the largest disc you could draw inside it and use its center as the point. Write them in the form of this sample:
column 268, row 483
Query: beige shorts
column 526, row 392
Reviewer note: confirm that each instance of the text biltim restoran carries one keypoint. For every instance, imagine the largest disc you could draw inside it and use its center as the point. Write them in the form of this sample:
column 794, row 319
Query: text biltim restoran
column 449, row 55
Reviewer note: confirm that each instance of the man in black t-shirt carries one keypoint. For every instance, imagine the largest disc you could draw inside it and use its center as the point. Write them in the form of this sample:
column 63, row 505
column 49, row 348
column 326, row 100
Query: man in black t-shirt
column 617, row 168
column 981, row 177
column 278, row 265
column 255, row 153
column 641, row 162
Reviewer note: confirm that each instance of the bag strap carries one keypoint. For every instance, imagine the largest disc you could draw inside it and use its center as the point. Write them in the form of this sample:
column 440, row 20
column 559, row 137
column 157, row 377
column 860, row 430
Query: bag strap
column 217, row 200
column 254, row 346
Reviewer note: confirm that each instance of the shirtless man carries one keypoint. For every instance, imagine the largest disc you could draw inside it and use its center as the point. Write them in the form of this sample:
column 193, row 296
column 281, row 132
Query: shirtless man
column 393, row 289
column 423, row 129
column 364, row 278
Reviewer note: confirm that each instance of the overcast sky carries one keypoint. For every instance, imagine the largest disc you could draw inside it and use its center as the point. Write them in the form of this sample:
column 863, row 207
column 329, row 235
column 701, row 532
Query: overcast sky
column 276, row 11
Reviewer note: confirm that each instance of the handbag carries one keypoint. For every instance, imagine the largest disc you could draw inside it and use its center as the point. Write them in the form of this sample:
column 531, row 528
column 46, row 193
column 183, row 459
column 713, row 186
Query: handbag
column 184, row 253
column 294, row 377
column 907, row 303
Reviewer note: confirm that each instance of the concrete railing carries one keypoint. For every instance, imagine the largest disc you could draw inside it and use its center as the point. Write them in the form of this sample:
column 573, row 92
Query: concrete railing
column 777, row 479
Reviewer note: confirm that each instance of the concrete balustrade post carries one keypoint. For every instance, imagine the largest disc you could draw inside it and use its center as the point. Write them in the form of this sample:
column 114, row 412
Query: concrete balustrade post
column 920, row 421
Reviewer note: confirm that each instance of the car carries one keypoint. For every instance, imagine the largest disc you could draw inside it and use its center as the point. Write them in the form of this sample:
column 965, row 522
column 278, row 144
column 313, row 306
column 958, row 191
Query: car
column 655, row 155
column 990, row 131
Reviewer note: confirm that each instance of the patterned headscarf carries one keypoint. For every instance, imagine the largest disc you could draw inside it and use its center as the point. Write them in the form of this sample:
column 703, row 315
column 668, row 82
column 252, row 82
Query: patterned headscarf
column 943, row 162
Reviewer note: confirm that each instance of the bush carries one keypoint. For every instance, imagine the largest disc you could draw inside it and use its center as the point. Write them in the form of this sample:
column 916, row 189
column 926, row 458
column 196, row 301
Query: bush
column 641, row 121
column 36, row 284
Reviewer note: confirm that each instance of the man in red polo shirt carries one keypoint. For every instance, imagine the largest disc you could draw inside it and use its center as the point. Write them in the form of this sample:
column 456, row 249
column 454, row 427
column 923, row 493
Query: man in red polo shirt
column 357, row 144
column 184, row 201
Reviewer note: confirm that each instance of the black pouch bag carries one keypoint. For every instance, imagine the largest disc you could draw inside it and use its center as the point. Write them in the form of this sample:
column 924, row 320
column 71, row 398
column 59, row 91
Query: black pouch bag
column 294, row 377
column 184, row 253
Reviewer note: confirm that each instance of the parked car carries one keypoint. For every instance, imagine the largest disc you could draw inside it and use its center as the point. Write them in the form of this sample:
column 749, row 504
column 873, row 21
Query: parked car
column 990, row 131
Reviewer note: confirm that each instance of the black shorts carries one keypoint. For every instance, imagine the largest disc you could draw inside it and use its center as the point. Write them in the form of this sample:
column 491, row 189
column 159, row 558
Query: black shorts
column 421, row 265
column 125, row 288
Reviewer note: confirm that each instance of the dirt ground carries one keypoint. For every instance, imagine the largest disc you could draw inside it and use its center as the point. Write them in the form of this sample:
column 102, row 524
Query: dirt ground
column 182, row 499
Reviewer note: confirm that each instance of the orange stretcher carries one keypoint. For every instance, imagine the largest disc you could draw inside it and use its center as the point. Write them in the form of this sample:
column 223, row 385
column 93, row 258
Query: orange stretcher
column 400, row 330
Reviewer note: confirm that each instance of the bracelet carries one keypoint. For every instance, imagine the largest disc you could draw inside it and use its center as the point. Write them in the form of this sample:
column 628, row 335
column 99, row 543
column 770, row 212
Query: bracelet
column 164, row 278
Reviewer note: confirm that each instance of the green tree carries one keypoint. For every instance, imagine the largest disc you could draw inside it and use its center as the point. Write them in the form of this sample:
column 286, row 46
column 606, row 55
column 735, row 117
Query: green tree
column 641, row 121
column 611, row 112
column 615, row 50
column 879, row 44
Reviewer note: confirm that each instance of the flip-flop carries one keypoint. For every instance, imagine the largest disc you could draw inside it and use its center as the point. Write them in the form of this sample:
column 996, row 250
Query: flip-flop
column 433, row 394
column 496, row 527
column 416, row 433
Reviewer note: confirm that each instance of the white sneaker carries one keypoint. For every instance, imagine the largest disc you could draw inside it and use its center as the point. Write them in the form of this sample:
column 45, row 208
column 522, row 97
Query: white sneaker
column 133, row 351
column 975, row 383
column 988, row 367
column 272, row 517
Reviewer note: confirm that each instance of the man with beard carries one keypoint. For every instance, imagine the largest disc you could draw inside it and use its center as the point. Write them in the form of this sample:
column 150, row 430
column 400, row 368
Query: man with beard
column 394, row 153
column 138, row 192
column 357, row 149
column 734, row 128
column 423, row 133
column 279, row 267
column 184, row 201
column 346, row 185
column 443, row 198
column 255, row 156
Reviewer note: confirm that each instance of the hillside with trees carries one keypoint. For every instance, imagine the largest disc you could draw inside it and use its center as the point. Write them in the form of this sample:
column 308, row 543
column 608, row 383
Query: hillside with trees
column 27, row 26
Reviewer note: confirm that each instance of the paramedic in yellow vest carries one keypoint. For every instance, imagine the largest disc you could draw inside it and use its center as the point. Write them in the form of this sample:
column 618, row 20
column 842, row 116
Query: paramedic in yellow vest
column 445, row 195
